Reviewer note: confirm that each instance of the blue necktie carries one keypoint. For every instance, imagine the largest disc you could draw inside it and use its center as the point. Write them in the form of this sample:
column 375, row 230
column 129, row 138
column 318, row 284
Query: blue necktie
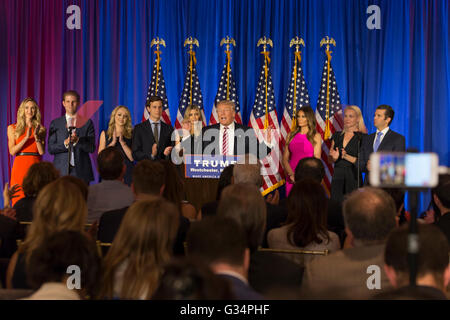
column 377, row 141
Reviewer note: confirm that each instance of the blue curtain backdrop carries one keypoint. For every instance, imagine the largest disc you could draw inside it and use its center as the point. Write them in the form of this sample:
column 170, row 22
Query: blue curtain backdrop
column 404, row 64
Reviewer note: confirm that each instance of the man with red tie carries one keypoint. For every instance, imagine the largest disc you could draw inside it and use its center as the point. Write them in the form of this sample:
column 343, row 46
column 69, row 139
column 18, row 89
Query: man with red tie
column 230, row 138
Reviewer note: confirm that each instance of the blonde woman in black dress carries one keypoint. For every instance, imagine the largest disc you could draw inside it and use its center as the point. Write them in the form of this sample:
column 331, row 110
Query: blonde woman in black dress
column 344, row 153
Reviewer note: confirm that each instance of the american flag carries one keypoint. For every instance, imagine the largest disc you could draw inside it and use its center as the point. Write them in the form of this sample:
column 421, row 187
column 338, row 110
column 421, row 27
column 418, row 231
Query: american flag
column 197, row 98
column 270, row 169
column 335, row 118
column 297, row 88
column 222, row 95
column 157, row 87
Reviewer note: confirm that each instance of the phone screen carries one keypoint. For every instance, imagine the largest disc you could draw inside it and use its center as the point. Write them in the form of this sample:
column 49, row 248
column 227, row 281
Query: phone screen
column 407, row 169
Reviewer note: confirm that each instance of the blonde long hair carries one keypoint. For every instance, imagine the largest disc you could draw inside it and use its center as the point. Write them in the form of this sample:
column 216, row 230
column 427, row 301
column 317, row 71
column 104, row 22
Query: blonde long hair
column 144, row 242
column 311, row 119
column 59, row 206
column 128, row 128
column 20, row 120
column 361, row 126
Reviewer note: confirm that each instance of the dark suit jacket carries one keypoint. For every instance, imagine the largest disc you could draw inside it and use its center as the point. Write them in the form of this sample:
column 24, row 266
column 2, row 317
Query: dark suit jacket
column 241, row 290
column 8, row 236
column 269, row 271
column 110, row 222
column 444, row 224
column 245, row 141
column 143, row 141
column 343, row 274
column 392, row 142
column 86, row 144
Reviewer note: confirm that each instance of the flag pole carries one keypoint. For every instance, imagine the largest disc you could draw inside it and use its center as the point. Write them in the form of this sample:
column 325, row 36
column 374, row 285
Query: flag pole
column 227, row 42
column 264, row 42
column 297, row 42
column 327, row 41
column 157, row 42
column 192, row 61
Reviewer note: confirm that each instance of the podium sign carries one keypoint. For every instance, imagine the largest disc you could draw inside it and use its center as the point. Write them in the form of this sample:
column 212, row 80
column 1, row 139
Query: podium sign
column 207, row 166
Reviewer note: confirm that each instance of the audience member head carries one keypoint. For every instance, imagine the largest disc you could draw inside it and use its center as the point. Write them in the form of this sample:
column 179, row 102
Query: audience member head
column 248, row 172
column 384, row 115
column 120, row 116
column 224, row 180
column 311, row 168
column 81, row 185
column 441, row 194
column 50, row 261
column 142, row 246
column 369, row 215
column 174, row 187
column 307, row 213
column 111, row 164
column 38, row 176
column 28, row 112
column 149, row 178
column 189, row 279
column 245, row 204
column 398, row 195
column 210, row 241
column 59, row 206
column 432, row 260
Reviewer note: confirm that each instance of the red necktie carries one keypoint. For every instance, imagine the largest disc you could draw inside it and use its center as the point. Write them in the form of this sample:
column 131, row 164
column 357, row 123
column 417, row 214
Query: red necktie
column 225, row 141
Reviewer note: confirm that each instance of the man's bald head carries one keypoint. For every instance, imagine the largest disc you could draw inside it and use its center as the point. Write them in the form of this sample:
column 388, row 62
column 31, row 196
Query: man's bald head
column 369, row 213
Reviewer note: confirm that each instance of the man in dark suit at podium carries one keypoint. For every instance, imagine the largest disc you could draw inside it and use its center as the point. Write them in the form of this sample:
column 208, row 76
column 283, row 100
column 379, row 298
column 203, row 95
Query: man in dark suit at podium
column 384, row 139
column 152, row 139
column 230, row 138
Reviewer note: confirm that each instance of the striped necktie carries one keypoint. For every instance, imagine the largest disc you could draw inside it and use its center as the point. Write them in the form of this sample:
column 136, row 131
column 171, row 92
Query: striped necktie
column 225, row 141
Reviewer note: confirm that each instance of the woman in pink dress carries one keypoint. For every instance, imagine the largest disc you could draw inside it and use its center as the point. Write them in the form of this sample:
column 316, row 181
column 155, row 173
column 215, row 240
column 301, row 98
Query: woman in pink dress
column 302, row 142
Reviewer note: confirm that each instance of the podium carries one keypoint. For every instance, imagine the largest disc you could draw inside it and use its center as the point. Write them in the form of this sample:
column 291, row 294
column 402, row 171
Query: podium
column 198, row 191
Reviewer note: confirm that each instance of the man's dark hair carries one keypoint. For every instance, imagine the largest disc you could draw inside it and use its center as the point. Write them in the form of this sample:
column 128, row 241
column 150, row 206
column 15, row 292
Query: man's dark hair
column 81, row 185
column 110, row 163
column 153, row 99
column 369, row 213
column 388, row 112
column 433, row 257
column 245, row 204
column 189, row 279
column 217, row 239
column 310, row 168
column 398, row 195
column 442, row 190
column 224, row 179
column 38, row 176
column 72, row 93
column 49, row 262
column 148, row 177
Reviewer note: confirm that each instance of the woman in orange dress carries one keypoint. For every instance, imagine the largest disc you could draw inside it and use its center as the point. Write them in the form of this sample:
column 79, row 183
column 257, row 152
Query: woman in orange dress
column 26, row 141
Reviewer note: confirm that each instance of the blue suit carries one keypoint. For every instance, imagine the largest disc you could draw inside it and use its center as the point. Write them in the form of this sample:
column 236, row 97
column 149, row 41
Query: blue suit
column 86, row 144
